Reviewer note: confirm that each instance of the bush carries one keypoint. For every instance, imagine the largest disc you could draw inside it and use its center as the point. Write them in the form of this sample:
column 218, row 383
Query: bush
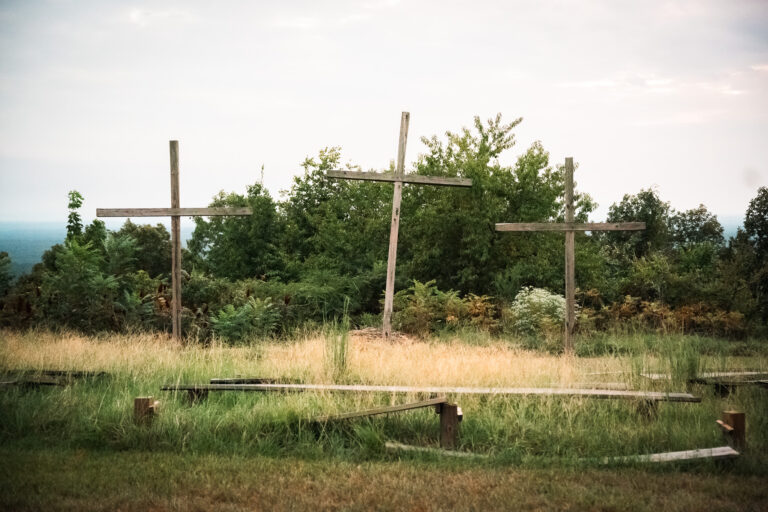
column 257, row 318
column 535, row 311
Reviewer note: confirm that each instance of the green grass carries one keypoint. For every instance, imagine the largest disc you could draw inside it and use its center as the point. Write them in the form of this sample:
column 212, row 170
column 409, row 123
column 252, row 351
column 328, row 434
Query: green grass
column 545, row 440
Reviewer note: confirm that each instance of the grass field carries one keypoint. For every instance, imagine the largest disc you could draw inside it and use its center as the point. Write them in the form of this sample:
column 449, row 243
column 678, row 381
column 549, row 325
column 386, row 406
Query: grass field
column 76, row 447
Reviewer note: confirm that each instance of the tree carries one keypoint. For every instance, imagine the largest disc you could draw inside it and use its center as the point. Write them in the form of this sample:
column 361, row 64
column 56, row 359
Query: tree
column 695, row 226
column 756, row 222
column 74, row 221
column 5, row 273
column 645, row 206
column 239, row 247
column 152, row 247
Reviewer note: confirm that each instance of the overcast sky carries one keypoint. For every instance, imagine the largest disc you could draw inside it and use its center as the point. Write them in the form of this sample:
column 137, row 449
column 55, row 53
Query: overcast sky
column 640, row 93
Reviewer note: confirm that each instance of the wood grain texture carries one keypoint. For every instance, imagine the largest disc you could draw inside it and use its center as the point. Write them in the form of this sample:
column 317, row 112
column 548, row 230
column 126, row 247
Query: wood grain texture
column 404, row 178
column 720, row 452
column 590, row 393
column 168, row 212
column 570, row 266
column 449, row 426
column 175, row 243
column 382, row 410
column 389, row 292
column 572, row 226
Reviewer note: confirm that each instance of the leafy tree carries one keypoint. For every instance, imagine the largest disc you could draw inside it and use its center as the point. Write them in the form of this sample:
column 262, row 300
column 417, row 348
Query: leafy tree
column 756, row 222
column 645, row 206
column 74, row 221
column 5, row 273
column 152, row 250
column 696, row 226
column 239, row 247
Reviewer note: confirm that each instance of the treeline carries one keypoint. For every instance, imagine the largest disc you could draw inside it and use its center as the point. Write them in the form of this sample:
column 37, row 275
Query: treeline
column 296, row 262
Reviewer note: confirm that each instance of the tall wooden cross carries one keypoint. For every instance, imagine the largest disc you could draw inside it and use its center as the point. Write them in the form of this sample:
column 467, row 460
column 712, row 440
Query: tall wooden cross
column 570, row 227
column 175, row 212
column 398, row 178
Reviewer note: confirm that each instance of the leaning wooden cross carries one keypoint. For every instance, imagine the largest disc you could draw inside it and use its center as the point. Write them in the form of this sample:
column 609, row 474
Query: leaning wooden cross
column 175, row 212
column 398, row 178
column 569, row 226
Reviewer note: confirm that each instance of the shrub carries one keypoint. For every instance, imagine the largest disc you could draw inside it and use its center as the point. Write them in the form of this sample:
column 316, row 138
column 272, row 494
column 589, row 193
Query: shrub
column 256, row 318
column 535, row 311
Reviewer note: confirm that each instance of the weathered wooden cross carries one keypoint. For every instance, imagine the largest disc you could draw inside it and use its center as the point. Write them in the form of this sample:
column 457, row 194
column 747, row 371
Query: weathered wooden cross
column 569, row 227
column 175, row 212
column 398, row 178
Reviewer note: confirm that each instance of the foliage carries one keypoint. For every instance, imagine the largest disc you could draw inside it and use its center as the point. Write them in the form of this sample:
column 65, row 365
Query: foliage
column 74, row 221
column 5, row 273
column 535, row 311
column 238, row 247
column 256, row 318
column 645, row 206
column 152, row 250
column 337, row 345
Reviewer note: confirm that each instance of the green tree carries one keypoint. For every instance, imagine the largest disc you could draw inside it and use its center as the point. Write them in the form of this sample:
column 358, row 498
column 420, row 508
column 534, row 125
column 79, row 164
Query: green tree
column 74, row 221
column 696, row 226
column 756, row 222
column 645, row 206
column 5, row 273
column 152, row 251
column 239, row 247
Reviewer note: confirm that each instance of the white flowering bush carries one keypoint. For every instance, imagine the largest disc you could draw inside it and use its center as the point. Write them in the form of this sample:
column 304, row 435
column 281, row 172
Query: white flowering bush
column 536, row 311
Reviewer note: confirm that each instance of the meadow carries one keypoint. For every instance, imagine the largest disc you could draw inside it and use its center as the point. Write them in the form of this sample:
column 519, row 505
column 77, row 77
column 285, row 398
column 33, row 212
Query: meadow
column 77, row 447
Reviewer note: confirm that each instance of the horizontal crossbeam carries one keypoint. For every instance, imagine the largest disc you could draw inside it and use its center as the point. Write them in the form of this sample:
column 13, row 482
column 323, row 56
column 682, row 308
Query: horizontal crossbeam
column 570, row 226
column 405, row 178
column 170, row 212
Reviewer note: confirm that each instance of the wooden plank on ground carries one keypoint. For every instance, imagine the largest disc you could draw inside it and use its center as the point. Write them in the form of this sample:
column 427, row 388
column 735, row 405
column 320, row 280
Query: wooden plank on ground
column 587, row 393
column 392, row 446
column 382, row 410
column 405, row 178
column 245, row 380
column 709, row 375
column 721, row 452
column 165, row 212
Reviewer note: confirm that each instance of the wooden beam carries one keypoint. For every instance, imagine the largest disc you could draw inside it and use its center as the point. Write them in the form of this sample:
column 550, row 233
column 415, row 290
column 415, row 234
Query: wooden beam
column 589, row 393
column 169, row 212
column 389, row 292
column 395, row 178
column 737, row 434
column 392, row 446
column 570, row 266
column 570, row 226
column 449, row 426
column 145, row 409
column 721, row 452
column 175, row 243
column 382, row 410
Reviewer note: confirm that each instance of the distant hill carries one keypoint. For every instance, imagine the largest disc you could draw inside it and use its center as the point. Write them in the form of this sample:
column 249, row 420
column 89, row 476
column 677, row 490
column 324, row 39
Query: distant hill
column 26, row 242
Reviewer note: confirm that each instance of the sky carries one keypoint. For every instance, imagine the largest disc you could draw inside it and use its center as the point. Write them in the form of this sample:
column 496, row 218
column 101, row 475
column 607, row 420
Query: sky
column 671, row 95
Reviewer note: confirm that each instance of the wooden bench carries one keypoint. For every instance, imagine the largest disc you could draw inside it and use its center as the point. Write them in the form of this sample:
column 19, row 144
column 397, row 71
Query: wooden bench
column 648, row 396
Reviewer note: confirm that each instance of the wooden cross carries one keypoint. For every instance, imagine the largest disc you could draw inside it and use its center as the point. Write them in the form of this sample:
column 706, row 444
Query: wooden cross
column 569, row 227
column 398, row 178
column 175, row 212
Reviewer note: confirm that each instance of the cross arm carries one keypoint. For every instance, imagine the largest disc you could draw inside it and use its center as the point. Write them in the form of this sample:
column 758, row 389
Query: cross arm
column 570, row 226
column 166, row 212
column 406, row 178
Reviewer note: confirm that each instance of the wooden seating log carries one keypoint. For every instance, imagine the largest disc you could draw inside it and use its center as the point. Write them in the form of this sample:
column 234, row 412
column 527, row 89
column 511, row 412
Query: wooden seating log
column 145, row 409
column 573, row 392
column 733, row 425
column 720, row 452
column 382, row 410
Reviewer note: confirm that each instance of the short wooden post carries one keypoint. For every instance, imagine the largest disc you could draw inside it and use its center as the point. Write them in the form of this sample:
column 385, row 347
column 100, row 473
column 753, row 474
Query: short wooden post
column 144, row 409
column 449, row 425
column 734, row 427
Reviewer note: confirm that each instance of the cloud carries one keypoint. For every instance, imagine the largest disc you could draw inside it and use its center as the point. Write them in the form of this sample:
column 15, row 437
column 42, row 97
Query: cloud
column 144, row 17
column 760, row 67
column 298, row 23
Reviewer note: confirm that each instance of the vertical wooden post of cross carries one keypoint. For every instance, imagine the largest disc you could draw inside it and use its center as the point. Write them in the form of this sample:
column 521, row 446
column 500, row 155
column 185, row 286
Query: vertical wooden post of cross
column 176, row 242
column 389, row 292
column 570, row 266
